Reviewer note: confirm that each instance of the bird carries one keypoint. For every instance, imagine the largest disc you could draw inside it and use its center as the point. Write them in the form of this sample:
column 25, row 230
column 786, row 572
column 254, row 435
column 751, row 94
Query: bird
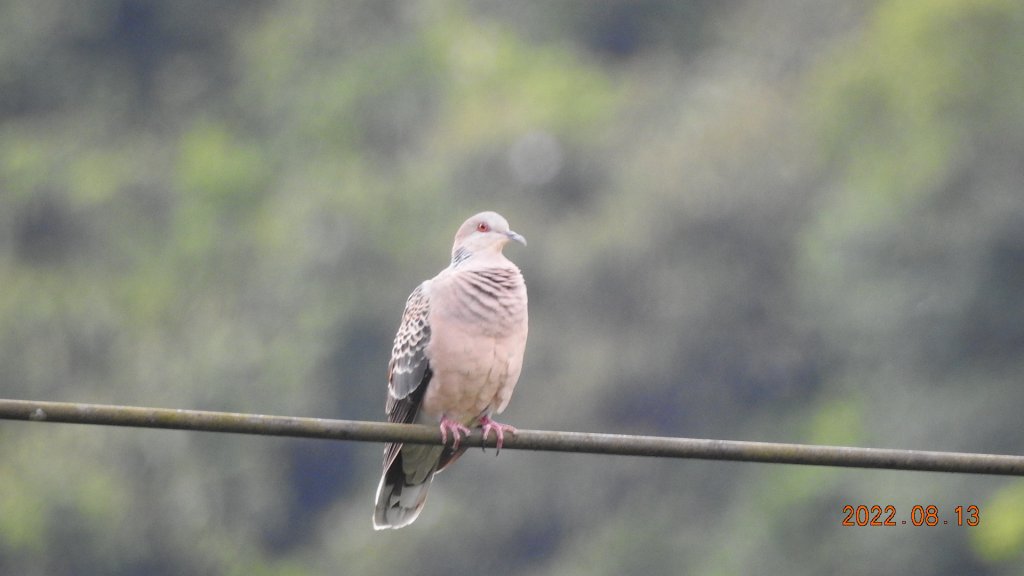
column 455, row 361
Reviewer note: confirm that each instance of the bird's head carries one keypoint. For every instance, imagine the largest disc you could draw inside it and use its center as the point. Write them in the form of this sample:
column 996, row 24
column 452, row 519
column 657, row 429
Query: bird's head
column 484, row 233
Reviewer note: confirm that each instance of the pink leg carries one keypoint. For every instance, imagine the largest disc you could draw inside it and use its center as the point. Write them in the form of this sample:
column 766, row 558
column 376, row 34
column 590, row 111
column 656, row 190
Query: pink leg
column 499, row 429
column 457, row 430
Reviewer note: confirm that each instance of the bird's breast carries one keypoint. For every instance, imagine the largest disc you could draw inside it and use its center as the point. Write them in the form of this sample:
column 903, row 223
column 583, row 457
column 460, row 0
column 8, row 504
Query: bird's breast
column 490, row 302
column 472, row 376
column 476, row 347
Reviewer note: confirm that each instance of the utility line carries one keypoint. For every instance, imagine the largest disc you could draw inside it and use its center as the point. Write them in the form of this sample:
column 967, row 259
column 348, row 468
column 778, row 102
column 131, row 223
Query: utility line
column 579, row 442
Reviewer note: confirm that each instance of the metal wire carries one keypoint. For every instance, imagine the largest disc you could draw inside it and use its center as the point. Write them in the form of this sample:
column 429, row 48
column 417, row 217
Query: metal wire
column 579, row 442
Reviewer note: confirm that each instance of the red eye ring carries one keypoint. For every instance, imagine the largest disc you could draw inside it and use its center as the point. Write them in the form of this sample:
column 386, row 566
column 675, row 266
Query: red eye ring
column 482, row 227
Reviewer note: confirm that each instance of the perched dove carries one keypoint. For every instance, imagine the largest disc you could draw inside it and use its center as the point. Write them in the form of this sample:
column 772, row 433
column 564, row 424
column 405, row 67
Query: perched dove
column 456, row 359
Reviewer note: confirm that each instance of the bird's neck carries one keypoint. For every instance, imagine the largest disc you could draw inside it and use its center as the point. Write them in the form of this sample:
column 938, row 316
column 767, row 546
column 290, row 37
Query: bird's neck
column 463, row 258
column 460, row 255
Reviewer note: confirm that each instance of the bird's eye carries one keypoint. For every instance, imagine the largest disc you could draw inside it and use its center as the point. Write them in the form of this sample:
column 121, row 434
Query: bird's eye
column 482, row 227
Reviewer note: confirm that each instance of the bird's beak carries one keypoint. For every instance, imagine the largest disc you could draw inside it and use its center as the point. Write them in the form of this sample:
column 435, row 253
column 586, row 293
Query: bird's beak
column 516, row 236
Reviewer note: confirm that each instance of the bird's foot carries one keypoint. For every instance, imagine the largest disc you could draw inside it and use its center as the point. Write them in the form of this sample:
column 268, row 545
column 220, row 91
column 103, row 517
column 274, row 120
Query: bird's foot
column 499, row 429
column 457, row 430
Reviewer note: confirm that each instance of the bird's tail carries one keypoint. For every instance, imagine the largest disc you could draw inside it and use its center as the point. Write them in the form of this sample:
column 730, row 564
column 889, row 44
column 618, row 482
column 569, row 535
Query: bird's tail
column 402, row 492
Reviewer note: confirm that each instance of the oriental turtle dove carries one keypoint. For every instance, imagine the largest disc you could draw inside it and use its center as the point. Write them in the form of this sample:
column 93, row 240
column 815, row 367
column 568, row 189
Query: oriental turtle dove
column 456, row 359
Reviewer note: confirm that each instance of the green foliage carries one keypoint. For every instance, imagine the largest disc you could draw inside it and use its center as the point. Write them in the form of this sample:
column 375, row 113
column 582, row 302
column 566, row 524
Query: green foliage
column 22, row 525
column 223, row 183
column 220, row 173
column 999, row 536
column 838, row 423
column 24, row 162
column 499, row 84
column 899, row 112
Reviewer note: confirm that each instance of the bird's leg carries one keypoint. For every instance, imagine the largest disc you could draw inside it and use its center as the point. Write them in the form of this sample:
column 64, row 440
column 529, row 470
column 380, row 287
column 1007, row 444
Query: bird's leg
column 499, row 430
column 457, row 430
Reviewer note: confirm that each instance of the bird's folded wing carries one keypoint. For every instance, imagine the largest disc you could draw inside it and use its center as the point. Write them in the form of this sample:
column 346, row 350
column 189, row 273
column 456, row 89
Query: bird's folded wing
column 409, row 369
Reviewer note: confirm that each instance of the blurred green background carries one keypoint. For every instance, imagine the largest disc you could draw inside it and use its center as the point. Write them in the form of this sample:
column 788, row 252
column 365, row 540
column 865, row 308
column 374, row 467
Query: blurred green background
column 795, row 221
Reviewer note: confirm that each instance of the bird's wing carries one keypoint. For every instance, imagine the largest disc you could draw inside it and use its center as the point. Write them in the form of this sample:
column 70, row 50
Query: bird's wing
column 409, row 369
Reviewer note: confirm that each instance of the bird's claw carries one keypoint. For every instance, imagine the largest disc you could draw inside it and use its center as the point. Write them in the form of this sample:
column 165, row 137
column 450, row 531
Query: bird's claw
column 499, row 430
column 457, row 430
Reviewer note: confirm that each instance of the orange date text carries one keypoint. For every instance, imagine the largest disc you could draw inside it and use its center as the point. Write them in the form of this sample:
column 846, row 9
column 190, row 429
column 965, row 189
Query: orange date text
column 920, row 515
